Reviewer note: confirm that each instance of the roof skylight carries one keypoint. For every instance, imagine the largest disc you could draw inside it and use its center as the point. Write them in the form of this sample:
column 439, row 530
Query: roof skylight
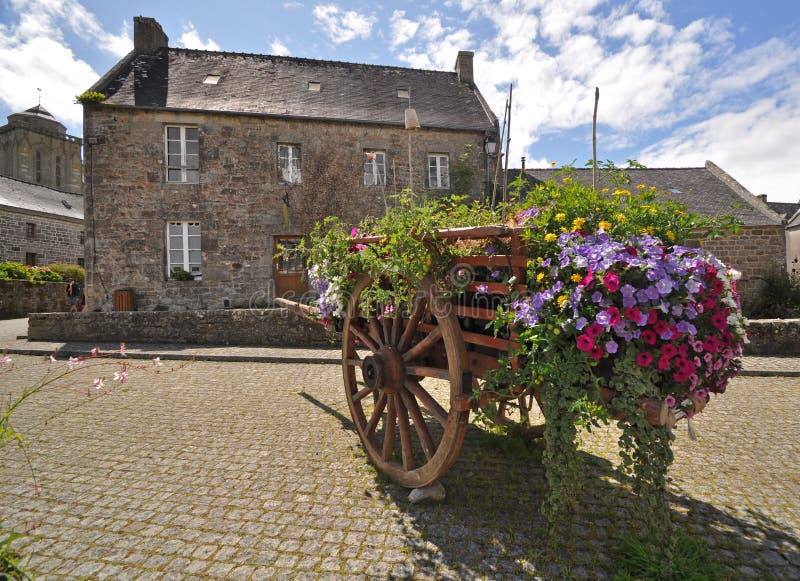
column 211, row 79
column 314, row 86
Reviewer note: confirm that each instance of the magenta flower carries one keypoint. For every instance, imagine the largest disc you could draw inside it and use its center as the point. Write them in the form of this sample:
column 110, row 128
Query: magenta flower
column 596, row 353
column 649, row 337
column 644, row 359
column 611, row 281
column 584, row 342
column 670, row 401
column 720, row 321
column 594, row 330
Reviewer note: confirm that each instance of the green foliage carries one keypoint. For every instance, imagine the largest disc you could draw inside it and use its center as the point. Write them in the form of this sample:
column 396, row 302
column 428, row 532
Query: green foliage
column 11, row 564
column 779, row 297
column 90, row 97
column 180, row 274
column 68, row 271
column 463, row 172
column 685, row 559
column 18, row 271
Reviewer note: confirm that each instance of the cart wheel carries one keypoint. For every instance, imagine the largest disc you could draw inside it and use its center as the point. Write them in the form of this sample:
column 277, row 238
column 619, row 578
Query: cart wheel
column 407, row 398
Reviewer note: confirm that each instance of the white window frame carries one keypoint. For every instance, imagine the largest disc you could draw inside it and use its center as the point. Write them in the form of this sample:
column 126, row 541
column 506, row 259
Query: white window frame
column 290, row 167
column 181, row 159
column 181, row 245
column 439, row 170
column 374, row 167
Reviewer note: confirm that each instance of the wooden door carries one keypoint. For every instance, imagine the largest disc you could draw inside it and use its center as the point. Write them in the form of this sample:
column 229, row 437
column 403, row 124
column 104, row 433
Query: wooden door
column 289, row 268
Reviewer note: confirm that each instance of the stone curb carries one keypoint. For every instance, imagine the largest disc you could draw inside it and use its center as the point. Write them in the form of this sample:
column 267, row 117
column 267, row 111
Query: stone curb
column 321, row 359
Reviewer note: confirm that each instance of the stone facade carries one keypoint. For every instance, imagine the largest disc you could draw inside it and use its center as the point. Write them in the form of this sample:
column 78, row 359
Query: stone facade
column 35, row 148
column 753, row 251
column 265, row 327
column 239, row 202
column 54, row 239
column 20, row 297
column 773, row 337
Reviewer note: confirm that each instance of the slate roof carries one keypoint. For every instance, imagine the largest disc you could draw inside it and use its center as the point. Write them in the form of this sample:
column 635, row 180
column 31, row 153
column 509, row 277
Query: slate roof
column 784, row 209
column 707, row 191
column 15, row 194
column 172, row 78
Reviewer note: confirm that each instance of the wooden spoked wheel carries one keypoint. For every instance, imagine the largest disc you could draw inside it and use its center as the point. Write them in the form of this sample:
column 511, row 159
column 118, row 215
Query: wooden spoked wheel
column 405, row 383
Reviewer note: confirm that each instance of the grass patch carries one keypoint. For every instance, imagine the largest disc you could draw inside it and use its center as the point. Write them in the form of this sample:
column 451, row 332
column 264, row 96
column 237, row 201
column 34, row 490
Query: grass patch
column 688, row 560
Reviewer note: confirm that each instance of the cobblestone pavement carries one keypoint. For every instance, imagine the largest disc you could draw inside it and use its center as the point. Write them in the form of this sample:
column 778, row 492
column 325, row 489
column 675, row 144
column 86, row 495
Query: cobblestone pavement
column 241, row 470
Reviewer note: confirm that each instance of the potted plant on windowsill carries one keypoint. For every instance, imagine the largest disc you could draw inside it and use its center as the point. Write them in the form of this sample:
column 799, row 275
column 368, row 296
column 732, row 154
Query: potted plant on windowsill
column 181, row 274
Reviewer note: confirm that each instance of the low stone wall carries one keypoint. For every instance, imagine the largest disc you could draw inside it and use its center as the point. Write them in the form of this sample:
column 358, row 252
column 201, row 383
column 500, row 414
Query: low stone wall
column 20, row 297
column 266, row 327
column 774, row 337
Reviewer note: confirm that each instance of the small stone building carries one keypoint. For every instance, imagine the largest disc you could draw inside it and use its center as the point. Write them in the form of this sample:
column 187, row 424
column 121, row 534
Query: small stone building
column 204, row 162
column 759, row 245
column 41, row 203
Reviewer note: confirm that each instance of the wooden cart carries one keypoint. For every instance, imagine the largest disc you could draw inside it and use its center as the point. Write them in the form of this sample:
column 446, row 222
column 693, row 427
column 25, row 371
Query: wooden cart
column 411, row 379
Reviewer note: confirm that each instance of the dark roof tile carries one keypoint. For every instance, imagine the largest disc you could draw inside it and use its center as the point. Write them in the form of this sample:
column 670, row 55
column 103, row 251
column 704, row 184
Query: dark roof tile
column 273, row 85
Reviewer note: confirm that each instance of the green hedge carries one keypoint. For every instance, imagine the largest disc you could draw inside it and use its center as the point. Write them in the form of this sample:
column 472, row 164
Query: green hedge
column 18, row 271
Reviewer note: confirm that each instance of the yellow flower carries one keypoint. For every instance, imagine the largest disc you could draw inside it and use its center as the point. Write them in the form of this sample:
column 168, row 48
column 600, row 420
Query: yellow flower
column 605, row 224
column 621, row 218
column 649, row 230
column 550, row 237
column 576, row 278
column 567, row 180
column 604, row 190
column 561, row 216
column 621, row 192
column 562, row 299
column 680, row 212
column 578, row 222
column 641, row 187
column 563, row 229
column 540, row 277
column 554, row 163
column 671, row 235
column 653, row 188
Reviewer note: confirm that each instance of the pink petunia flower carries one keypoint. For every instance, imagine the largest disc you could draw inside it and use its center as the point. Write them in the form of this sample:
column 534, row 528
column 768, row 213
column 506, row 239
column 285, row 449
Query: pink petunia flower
column 611, row 281
column 644, row 359
column 584, row 342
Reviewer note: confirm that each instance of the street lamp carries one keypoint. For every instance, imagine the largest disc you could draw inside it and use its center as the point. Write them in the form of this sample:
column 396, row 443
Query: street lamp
column 490, row 147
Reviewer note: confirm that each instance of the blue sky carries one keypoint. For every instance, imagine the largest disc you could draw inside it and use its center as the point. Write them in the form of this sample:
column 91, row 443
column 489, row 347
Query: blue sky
column 680, row 81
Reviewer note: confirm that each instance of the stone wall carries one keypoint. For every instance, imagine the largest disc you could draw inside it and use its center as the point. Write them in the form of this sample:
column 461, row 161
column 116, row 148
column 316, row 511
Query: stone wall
column 753, row 251
column 58, row 153
column 20, row 297
column 240, row 203
column 265, row 327
column 55, row 240
column 773, row 337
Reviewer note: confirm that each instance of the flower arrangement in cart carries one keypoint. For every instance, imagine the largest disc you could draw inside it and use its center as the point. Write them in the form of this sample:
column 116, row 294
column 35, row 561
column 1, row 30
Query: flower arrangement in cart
column 669, row 314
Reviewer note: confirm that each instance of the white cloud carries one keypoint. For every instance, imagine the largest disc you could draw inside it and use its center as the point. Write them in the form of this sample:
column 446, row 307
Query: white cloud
column 279, row 48
column 46, row 18
column 41, row 63
column 402, row 29
column 191, row 39
column 343, row 26
column 757, row 145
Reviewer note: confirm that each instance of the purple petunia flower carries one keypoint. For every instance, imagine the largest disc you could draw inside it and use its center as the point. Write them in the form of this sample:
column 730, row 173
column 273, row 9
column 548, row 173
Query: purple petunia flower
column 611, row 346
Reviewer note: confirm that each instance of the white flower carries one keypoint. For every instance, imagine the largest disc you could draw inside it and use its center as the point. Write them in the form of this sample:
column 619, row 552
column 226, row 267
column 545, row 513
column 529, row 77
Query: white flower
column 73, row 362
column 98, row 383
column 5, row 360
column 156, row 361
column 120, row 376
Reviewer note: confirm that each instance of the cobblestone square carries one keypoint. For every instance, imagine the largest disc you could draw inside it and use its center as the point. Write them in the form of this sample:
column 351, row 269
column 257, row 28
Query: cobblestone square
column 233, row 470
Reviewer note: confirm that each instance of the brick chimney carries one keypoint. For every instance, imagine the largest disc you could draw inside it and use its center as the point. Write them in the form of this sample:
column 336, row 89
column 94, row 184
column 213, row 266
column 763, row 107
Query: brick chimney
column 464, row 66
column 148, row 35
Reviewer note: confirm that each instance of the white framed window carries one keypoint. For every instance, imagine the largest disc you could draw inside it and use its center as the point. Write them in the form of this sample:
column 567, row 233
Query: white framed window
column 290, row 170
column 374, row 168
column 183, row 248
column 439, row 170
column 182, row 147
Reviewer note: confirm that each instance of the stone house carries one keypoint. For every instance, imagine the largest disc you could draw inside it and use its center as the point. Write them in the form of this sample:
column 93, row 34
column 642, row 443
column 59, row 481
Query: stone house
column 759, row 245
column 41, row 204
column 207, row 161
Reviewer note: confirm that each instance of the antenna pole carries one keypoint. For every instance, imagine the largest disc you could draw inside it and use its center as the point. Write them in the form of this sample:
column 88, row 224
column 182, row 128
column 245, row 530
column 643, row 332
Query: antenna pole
column 594, row 139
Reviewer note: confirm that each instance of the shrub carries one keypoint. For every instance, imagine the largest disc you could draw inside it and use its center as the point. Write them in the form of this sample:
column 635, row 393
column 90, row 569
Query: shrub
column 68, row 271
column 90, row 97
column 779, row 297
column 180, row 274
column 19, row 271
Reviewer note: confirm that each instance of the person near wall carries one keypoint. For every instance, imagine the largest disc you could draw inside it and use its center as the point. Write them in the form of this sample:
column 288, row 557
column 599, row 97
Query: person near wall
column 73, row 295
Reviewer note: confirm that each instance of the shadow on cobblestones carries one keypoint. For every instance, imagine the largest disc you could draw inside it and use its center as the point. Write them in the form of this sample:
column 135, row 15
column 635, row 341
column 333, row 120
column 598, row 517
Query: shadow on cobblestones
column 490, row 524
